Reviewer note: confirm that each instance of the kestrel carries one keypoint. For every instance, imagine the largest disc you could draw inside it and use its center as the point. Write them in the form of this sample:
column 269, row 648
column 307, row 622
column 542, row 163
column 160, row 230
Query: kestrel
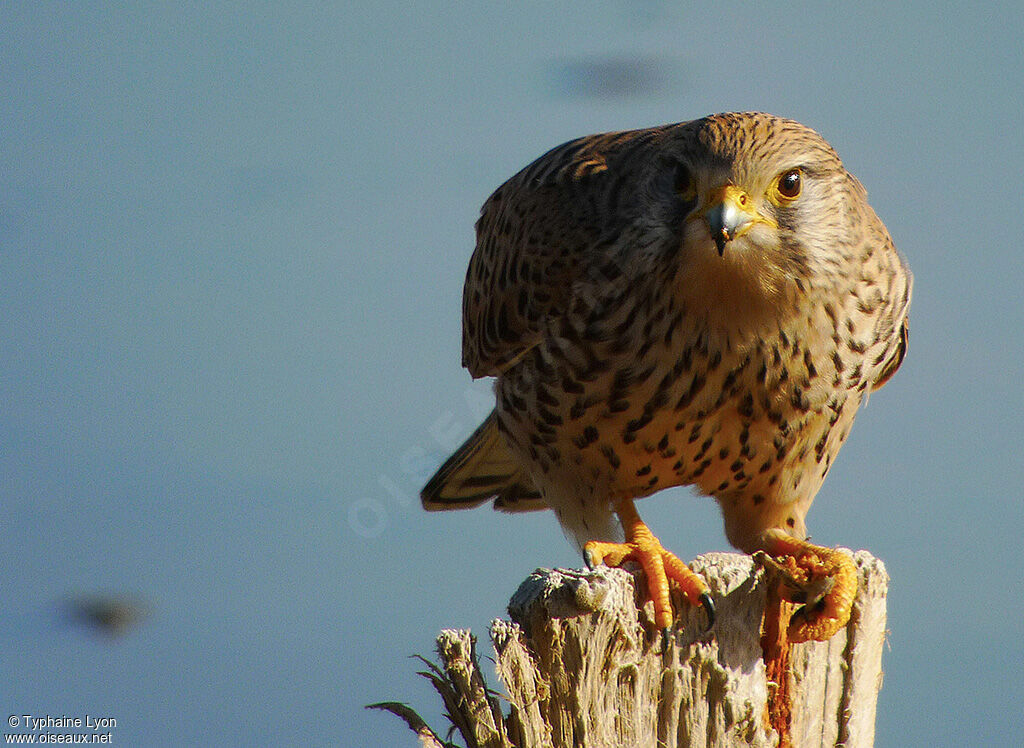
column 705, row 303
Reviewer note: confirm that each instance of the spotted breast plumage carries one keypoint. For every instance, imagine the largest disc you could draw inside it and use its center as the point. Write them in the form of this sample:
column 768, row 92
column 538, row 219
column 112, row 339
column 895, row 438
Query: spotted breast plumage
column 706, row 303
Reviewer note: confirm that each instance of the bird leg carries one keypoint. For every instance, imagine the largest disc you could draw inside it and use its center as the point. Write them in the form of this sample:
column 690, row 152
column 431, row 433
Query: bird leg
column 823, row 581
column 659, row 565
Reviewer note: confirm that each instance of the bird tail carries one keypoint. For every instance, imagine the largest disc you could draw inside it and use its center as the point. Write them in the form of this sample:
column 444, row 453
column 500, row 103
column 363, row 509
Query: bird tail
column 482, row 469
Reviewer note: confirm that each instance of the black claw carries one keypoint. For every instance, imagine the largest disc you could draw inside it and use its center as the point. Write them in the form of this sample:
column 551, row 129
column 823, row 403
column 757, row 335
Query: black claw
column 588, row 560
column 800, row 615
column 666, row 637
column 709, row 608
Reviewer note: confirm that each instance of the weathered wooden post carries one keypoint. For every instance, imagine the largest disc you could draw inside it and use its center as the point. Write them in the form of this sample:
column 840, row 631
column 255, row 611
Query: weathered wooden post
column 583, row 666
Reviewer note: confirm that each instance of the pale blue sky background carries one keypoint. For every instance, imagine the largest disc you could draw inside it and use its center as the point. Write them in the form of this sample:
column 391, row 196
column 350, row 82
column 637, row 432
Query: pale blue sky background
column 232, row 245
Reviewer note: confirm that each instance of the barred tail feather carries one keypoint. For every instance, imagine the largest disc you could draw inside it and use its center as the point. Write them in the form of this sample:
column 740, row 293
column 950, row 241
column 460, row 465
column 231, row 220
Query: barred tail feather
column 480, row 470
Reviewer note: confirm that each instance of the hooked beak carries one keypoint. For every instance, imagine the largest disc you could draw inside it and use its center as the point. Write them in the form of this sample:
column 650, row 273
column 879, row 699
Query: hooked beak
column 731, row 215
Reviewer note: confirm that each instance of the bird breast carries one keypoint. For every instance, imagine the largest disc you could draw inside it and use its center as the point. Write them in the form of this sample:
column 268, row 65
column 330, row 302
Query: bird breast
column 651, row 396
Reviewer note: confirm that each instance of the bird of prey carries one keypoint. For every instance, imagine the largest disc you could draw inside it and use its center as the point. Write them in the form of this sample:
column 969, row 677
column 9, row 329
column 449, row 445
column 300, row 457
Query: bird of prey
column 705, row 303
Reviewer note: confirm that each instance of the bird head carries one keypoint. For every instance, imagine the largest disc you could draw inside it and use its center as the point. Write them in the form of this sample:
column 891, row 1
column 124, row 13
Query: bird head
column 755, row 206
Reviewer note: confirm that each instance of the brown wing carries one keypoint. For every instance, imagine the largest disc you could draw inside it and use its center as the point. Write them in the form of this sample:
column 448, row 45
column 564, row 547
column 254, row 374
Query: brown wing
column 899, row 283
column 896, row 358
column 534, row 238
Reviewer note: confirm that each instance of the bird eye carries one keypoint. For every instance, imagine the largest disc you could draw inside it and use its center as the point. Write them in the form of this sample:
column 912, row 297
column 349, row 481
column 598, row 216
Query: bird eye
column 683, row 182
column 789, row 184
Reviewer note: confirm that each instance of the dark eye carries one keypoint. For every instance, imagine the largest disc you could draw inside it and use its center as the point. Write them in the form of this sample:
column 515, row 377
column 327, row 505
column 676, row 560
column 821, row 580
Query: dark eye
column 789, row 184
column 683, row 182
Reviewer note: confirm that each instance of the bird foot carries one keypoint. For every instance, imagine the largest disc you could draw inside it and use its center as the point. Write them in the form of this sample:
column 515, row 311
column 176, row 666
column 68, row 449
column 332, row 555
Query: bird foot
column 659, row 567
column 822, row 581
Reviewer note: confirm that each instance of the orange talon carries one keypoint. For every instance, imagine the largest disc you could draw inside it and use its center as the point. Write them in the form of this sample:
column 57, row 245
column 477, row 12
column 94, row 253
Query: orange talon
column 822, row 580
column 659, row 565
